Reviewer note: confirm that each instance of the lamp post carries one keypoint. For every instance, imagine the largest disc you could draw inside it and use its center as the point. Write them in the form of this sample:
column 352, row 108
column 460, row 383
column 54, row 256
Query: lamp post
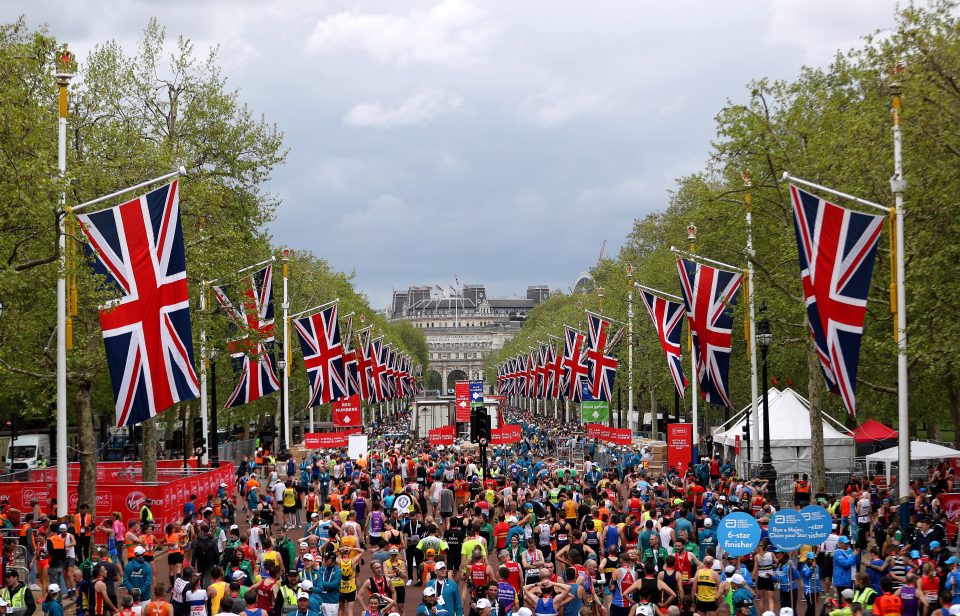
column 767, row 471
column 282, row 364
column 213, row 445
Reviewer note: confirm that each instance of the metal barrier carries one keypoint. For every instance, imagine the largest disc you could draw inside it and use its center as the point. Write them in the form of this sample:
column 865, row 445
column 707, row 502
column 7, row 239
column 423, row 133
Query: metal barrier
column 235, row 450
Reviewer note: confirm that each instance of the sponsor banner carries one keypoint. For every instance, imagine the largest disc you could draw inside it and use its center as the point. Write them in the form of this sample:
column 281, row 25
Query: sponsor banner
column 950, row 503
column 819, row 523
column 616, row 436
column 443, row 435
column 109, row 472
column 328, row 440
column 787, row 530
column 679, row 446
column 590, row 408
column 739, row 534
column 506, row 435
column 476, row 395
column 462, row 396
column 346, row 412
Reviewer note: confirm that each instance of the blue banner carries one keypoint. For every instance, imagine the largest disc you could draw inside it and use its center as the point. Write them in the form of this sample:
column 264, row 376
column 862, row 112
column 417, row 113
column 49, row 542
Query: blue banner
column 819, row 524
column 476, row 394
column 787, row 530
column 739, row 534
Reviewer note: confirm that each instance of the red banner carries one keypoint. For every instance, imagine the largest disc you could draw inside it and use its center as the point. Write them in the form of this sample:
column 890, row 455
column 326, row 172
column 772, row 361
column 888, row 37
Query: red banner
column 679, row 446
column 328, row 440
column 616, row 436
column 346, row 412
column 950, row 503
column 443, row 435
column 506, row 435
column 462, row 392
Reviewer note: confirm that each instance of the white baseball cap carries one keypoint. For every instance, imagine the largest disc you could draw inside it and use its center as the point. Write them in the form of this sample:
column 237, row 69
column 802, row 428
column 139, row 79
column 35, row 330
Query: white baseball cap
column 737, row 579
column 53, row 588
column 308, row 556
column 955, row 609
column 238, row 575
column 786, row 611
column 303, row 595
column 440, row 565
column 524, row 611
column 306, row 585
column 429, row 591
column 708, row 522
column 138, row 550
column 483, row 603
column 729, row 569
column 716, row 565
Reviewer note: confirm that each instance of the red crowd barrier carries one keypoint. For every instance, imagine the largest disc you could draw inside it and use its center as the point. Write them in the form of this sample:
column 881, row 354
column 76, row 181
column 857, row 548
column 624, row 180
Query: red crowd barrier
column 117, row 493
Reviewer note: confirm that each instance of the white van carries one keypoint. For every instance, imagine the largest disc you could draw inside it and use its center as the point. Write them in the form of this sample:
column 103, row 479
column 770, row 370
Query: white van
column 24, row 453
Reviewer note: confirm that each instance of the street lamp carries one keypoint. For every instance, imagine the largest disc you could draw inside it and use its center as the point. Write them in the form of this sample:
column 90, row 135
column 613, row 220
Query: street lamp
column 282, row 364
column 213, row 446
column 767, row 471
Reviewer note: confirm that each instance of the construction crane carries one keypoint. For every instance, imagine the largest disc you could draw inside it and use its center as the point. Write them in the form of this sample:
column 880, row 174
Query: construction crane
column 603, row 247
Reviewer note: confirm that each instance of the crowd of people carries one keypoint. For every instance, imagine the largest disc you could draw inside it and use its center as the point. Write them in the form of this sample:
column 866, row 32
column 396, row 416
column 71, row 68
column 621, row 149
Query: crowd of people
column 415, row 529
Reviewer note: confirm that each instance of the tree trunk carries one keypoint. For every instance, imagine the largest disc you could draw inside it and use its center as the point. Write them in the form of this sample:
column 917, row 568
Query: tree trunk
column 87, row 485
column 815, row 396
column 933, row 431
column 150, row 450
column 653, row 407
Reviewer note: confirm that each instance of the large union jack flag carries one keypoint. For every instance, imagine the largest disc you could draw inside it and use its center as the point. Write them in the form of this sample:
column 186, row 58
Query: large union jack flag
column 378, row 371
column 252, row 358
column 146, row 332
column 322, row 355
column 602, row 367
column 555, row 375
column 709, row 294
column 837, row 250
column 574, row 368
column 667, row 318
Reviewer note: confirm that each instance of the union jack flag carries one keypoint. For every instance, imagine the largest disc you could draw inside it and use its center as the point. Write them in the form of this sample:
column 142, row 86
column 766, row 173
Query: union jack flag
column 543, row 387
column 574, row 368
column 531, row 375
column 555, row 375
column 351, row 359
column 252, row 359
column 521, row 376
column 667, row 318
column 364, row 363
column 602, row 367
column 837, row 248
column 322, row 355
column 377, row 372
column 708, row 296
column 146, row 332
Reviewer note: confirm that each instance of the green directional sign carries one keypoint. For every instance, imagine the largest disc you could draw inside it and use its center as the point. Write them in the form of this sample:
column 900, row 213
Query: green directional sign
column 594, row 411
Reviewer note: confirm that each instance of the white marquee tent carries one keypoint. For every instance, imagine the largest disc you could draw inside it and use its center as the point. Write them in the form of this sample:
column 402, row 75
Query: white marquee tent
column 790, row 435
column 919, row 450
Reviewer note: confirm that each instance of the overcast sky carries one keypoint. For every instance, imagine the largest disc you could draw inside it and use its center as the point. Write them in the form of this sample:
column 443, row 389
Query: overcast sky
column 500, row 141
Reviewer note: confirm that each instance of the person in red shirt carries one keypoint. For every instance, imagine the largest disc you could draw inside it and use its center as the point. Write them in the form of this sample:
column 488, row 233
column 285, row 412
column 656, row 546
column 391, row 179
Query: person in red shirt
column 500, row 532
column 887, row 604
column 515, row 571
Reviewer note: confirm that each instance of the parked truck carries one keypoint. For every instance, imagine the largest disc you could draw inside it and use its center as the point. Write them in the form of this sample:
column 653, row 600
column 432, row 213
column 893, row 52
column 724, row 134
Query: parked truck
column 28, row 451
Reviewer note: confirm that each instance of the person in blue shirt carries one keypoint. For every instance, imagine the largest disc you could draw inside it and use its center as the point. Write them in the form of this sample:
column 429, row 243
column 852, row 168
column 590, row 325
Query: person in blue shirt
column 138, row 574
column 190, row 507
column 330, row 577
column 445, row 591
column 844, row 561
column 51, row 605
column 707, row 537
column 810, row 576
column 788, row 581
column 743, row 599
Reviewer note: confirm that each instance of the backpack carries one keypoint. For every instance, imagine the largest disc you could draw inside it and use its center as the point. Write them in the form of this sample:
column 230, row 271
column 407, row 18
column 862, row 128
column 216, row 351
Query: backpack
column 205, row 551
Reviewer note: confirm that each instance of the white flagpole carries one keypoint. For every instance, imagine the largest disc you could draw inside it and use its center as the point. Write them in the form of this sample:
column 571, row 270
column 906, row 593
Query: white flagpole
column 897, row 186
column 694, row 383
column 63, row 80
column 287, row 355
column 204, row 360
column 630, row 351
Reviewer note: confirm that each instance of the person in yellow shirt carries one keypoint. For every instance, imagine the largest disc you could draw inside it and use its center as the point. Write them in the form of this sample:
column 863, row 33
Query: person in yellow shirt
column 270, row 556
column 289, row 498
column 349, row 562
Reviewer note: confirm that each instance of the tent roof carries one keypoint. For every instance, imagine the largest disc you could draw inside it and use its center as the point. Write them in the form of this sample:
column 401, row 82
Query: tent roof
column 919, row 450
column 789, row 422
column 872, row 430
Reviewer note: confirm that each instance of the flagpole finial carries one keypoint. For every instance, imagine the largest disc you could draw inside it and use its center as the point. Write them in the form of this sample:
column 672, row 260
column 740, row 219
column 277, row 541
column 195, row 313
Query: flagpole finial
column 785, row 176
column 285, row 254
column 182, row 170
column 691, row 232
